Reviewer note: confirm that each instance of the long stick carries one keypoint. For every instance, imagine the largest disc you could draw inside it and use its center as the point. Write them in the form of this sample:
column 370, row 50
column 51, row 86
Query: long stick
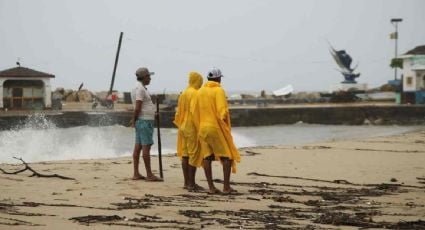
column 159, row 138
column 115, row 66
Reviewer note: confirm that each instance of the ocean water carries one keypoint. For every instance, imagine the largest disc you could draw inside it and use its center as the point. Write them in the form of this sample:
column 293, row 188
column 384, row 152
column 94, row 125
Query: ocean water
column 40, row 140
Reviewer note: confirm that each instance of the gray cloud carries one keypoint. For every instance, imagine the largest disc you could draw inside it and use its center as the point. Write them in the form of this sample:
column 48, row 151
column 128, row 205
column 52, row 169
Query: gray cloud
column 257, row 44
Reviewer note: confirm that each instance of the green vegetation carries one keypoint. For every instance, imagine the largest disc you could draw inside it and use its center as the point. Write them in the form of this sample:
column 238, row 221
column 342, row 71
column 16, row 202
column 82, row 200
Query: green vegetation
column 396, row 63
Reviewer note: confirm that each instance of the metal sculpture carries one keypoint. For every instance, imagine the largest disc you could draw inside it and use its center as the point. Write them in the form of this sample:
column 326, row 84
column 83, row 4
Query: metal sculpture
column 343, row 60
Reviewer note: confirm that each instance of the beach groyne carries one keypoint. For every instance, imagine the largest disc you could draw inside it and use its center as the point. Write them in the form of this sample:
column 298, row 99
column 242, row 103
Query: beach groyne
column 338, row 115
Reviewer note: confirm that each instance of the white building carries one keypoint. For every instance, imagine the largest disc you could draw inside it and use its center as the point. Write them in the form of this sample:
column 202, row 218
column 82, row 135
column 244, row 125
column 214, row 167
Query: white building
column 414, row 75
column 24, row 88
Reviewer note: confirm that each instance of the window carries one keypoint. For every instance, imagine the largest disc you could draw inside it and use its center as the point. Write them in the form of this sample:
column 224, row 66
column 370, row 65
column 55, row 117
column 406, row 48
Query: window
column 7, row 92
column 27, row 92
column 37, row 92
column 409, row 81
column 423, row 81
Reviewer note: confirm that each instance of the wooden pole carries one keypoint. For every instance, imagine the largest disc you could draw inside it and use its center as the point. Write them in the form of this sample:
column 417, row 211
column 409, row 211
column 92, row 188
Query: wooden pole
column 159, row 137
column 115, row 66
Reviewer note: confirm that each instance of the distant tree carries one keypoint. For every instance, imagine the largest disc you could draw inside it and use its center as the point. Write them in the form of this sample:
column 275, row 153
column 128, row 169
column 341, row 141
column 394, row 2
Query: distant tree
column 396, row 63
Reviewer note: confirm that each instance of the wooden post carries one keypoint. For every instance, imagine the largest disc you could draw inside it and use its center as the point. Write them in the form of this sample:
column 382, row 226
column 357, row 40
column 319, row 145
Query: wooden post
column 159, row 137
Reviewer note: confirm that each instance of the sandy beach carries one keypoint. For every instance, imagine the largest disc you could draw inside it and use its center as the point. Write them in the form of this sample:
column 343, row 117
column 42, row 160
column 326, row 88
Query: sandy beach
column 370, row 183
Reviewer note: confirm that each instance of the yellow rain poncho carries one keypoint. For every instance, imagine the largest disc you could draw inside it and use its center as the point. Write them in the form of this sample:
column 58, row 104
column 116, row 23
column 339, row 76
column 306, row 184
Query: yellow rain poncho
column 187, row 137
column 211, row 112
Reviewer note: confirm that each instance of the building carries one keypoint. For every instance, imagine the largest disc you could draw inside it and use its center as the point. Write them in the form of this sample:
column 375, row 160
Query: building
column 414, row 76
column 24, row 88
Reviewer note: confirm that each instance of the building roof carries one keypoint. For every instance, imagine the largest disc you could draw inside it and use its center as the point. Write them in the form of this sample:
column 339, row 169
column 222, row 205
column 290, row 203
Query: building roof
column 418, row 50
column 24, row 72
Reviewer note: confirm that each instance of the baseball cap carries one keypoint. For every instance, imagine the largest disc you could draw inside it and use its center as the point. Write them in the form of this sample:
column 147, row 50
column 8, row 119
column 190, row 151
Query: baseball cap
column 214, row 73
column 143, row 72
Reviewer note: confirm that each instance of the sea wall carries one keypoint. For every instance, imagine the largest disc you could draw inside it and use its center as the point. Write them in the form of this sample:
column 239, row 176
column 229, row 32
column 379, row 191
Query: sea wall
column 349, row 115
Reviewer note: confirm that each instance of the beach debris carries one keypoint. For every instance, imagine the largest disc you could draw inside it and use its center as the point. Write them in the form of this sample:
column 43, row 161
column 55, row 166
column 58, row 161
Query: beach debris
column 364, row 220
column 150, row 200
column 87, row 220
column 10, row 209
column 4, row 205
column 253, row 198
column 316, row 147
column 341, row 218
column 251, row 153
column 117, row 220
column 16, row 222
column 241, row 219
column 418, row 224
column 382, row 186
column 155, row 219
column 393, row 180
column 139, row 204
column 421, row 180
column 35, row 173
column 144, row 226
column 301, row 178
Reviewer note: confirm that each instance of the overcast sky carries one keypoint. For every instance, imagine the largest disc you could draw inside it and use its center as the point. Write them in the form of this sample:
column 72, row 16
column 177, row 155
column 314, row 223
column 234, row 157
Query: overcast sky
column 257, row 44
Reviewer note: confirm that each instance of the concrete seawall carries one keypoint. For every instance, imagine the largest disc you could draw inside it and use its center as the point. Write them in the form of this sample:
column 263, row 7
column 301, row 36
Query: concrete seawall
column 347, row 115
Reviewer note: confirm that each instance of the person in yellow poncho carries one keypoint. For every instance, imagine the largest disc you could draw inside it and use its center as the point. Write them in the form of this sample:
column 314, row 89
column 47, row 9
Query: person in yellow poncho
column 211, row 113
column 188, row 148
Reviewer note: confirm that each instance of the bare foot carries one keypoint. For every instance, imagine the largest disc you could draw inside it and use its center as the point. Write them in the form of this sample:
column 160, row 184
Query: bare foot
column 230, row 191
column 154, row 179
column 195, row 188
column 138, row 177
column 214, row 191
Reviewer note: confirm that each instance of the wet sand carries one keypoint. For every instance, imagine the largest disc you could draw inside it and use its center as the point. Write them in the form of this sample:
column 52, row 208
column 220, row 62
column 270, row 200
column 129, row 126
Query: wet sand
column 372, row 183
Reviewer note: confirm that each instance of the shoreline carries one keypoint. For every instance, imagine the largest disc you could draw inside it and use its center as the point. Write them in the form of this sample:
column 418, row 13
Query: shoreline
column 45, row 142
column 374, row 182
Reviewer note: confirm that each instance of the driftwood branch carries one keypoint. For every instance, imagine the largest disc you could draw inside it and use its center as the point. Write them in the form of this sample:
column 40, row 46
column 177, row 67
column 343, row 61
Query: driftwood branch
column 35, row 173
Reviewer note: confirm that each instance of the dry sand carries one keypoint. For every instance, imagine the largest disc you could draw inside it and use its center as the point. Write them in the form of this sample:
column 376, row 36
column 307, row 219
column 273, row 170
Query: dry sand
column 375, row 183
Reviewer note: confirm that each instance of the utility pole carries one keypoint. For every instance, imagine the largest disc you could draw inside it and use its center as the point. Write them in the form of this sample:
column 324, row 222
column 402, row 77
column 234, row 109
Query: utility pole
column 115, row 66
column 394, row 36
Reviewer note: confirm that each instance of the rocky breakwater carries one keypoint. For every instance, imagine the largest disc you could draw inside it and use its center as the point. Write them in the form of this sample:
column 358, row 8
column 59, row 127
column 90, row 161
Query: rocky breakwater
column 335, row 115
column 63, row 119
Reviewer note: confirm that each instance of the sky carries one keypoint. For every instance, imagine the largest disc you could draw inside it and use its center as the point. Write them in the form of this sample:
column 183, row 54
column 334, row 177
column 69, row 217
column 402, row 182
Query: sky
column 257, row 44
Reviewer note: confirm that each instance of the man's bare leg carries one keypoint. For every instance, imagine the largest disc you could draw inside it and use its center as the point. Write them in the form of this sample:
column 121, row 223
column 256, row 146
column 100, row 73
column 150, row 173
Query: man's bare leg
column 185, row 168
column 208, row 175
column 227, row 167
column 192, row 179
column 147, row 159
column 136, row 157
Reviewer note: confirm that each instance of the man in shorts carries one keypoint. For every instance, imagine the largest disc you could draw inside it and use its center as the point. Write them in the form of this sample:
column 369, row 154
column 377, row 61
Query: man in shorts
column 215, row 131
column 143, row 120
